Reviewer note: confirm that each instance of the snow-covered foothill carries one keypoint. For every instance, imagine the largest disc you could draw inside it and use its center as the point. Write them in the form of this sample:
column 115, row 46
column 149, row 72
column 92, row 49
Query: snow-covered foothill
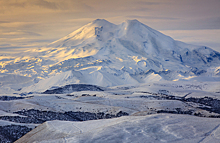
column 151, row 128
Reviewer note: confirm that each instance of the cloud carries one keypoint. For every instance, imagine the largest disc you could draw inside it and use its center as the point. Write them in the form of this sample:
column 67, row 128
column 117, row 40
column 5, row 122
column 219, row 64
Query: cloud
column 44, row 4
column 3, row 21
column 148, row 3
column 206, row 37
column 16, row 7
column 199, row 23
column 152, row 17
column 15, row 24
column 27, row 3
column 20, row 33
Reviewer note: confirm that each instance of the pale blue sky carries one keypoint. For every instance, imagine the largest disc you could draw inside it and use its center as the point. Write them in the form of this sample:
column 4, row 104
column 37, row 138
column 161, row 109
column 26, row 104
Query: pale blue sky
column 31, row 23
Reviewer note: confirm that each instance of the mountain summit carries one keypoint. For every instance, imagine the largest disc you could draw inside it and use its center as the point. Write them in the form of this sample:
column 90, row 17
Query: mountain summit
column 87, row 33
column 106, row 54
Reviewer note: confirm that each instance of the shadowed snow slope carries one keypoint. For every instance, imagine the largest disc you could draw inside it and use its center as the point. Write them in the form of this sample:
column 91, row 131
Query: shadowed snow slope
column 106, row 54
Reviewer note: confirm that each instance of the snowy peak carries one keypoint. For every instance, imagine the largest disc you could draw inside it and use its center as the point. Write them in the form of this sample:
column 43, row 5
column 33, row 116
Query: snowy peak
column 100, row 30
column 137, row 27
column 101, row 38
column 88, row 33
column 133, row 25
column 101, row 22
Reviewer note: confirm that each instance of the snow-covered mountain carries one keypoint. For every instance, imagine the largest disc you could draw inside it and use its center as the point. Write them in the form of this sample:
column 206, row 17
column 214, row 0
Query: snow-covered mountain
column 104, row 71
column 105, row 54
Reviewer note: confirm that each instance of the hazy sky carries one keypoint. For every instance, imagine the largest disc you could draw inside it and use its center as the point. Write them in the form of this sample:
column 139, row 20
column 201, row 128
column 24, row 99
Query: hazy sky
column 31, row 23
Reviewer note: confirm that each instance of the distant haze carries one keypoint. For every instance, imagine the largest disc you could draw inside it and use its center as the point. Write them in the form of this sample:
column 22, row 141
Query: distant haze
column 33, row 23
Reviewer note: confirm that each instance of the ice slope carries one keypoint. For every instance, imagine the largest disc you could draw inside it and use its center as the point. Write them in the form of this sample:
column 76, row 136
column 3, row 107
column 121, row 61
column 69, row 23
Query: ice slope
column 106, row 54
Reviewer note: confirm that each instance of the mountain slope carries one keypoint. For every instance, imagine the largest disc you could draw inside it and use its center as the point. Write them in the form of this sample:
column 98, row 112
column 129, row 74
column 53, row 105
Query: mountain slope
column 106, row 54
column 151, row 128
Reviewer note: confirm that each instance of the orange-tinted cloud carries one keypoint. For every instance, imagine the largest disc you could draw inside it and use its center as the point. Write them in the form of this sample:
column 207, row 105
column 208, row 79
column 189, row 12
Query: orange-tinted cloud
column 48, row 20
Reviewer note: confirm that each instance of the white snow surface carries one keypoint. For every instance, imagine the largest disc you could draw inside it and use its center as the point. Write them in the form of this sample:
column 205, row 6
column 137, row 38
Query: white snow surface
column 151, row 128
column 105, row 54
column 141, row 102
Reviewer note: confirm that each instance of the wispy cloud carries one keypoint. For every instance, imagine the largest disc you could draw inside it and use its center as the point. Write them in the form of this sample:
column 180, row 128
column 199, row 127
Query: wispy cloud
column 152, row 17
column 41, row 6
column 27, row 3
column 44, row 4
column 15, row 24
column 41, row 21
column 20, row 33
column 206, row 37
column 148, row 2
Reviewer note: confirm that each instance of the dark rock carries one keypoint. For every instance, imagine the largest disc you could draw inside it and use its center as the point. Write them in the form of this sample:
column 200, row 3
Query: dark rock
column 7, row 98
column 85, row 95
column 73, row 87
column 121, row 113
column 70, row 95
column 176, row 112
column 38, row 117
column 196, row 71
column 207, row 101
column 19, row 119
